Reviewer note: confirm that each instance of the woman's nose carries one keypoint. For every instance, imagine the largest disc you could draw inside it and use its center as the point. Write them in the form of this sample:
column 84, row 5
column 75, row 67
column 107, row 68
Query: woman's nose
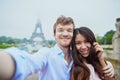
column 83, row 45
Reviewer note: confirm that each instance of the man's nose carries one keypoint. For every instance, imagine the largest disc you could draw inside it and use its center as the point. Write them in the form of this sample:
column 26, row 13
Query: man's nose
column 65, row 33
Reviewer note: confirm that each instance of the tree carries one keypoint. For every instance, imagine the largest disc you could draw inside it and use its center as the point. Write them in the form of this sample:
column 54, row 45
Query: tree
column 11, row 41
column 100, row 39
column 108, row 36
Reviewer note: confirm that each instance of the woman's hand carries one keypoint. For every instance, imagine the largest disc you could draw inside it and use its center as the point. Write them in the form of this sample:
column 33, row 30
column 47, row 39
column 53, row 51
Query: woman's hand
column 107, row 66
column 98, row 49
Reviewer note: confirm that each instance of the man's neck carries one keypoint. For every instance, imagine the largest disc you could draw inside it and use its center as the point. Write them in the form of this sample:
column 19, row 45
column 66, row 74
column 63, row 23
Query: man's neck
column 66, row 54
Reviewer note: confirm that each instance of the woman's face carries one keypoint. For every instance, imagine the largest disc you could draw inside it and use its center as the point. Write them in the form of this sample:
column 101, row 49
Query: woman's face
column 82, row 45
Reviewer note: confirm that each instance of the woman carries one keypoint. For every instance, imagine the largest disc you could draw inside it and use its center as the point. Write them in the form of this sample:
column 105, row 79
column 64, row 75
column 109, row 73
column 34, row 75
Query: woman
column 87, row 56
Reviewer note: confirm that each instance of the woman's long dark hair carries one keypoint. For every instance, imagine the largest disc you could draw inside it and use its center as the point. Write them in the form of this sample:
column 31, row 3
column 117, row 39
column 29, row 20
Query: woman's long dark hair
column 79, row 70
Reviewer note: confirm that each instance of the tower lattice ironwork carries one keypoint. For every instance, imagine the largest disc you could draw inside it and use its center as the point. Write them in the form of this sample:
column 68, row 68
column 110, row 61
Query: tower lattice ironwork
column 35, row 34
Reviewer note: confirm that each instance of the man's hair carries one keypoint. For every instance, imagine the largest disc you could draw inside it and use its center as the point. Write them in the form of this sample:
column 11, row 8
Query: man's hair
column 62, row 20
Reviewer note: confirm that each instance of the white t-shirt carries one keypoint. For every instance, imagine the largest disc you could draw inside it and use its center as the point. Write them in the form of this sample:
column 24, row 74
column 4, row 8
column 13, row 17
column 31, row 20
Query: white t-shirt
column 93, row 74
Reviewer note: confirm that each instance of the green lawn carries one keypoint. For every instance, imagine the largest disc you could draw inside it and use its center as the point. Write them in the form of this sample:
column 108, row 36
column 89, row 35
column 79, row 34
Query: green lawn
column 4, row 46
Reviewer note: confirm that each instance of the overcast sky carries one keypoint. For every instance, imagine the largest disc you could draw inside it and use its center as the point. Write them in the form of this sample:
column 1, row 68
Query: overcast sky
column 18, row 17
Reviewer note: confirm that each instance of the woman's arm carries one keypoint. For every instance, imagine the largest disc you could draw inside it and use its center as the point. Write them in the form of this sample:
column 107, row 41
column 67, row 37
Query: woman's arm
column 108, row 70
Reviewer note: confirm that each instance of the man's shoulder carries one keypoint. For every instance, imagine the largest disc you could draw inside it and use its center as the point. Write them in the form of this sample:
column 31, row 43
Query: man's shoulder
column 47, row 50
column 44, row 49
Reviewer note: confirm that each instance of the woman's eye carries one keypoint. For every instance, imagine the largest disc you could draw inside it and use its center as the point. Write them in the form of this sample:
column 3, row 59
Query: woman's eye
column 77, row 42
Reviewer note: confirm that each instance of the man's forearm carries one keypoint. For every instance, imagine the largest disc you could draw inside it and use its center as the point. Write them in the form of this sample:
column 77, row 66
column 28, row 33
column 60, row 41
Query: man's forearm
column 7, row 66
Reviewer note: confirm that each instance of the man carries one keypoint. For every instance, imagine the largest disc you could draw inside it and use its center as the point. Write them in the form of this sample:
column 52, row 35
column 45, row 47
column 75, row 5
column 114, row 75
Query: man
column 53, row 63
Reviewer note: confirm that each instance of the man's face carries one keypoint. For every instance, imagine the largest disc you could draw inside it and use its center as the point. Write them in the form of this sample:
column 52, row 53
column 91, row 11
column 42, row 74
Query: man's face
column 64, row 34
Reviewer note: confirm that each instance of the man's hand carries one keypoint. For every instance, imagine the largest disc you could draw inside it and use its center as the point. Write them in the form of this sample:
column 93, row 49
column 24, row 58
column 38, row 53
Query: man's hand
column 109, row 70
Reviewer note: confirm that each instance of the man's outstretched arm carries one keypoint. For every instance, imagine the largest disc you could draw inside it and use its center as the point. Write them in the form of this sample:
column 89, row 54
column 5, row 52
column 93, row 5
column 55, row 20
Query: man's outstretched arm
column 7, row 66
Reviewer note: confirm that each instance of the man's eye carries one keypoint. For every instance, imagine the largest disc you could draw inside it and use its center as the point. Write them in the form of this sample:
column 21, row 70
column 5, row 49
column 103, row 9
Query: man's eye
column 70, row 30
column 60, row 30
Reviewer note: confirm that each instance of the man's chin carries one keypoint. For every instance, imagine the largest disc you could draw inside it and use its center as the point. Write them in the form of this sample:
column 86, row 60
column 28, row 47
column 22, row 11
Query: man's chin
column 66, row 45
column 66, row 40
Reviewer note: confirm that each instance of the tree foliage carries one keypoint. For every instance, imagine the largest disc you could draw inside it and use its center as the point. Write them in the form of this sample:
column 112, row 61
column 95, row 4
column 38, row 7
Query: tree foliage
column 109, row 36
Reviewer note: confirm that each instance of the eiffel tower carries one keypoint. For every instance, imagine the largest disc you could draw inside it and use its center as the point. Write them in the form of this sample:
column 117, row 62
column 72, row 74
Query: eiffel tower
column 36, row 34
